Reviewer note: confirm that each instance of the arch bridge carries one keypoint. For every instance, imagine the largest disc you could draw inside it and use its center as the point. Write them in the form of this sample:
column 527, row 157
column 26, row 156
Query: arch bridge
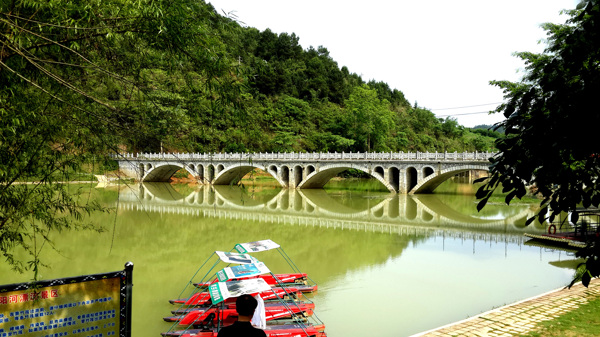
column 401, row 172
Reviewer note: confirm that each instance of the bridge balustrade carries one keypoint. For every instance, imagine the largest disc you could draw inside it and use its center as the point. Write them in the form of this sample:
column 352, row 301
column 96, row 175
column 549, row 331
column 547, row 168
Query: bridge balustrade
column 312, row 156
column 402, row 172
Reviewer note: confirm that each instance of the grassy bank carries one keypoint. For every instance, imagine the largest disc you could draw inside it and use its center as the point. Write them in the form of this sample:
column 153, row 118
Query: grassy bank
column 581, row 322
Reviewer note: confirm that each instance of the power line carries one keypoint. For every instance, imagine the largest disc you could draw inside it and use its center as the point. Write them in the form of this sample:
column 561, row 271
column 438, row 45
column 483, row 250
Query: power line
column 464, row 114
column 462, row 107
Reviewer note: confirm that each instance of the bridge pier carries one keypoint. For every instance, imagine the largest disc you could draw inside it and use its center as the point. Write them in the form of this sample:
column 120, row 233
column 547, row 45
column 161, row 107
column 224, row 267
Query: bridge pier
column 404, row 173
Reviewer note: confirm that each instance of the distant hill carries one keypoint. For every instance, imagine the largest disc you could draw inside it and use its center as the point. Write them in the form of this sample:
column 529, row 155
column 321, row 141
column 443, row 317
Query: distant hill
column 488, row 131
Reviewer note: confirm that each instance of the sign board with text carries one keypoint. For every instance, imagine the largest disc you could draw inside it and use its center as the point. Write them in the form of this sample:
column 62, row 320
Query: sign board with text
column 91, row 305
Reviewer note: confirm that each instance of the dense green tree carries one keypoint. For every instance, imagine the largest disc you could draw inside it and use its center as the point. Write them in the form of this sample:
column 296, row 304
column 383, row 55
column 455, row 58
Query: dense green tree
column 551, row 124
column 395, row 97
column 369, row 119
column 451, row 128
column 79, row 79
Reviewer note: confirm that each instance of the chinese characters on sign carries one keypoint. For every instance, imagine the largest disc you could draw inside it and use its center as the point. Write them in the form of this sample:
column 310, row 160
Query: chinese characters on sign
column 91, row 306
column 20, row 298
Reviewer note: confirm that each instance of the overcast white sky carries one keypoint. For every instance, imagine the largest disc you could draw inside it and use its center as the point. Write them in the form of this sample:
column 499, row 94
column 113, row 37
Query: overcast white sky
column 439, row 53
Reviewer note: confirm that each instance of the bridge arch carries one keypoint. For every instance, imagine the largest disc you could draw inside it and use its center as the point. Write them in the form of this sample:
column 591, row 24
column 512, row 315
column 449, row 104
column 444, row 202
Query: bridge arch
column 427, row 171
column 231, row 174
column 431, row 182
column 163, row 171
column 194, row 169
column 200, row 172
column 394, row 177
column 210, row 173
column 411, row 178
column 285, row 176
column 298, row 171
column 322, row 177
column 236, row 172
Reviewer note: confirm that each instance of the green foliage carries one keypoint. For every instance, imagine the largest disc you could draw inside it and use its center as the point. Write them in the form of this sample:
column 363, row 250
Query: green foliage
column 451, row 129
column 369, row 119
column 487, row 131
column 80, row 81
column 551, row 124
column 395, row 97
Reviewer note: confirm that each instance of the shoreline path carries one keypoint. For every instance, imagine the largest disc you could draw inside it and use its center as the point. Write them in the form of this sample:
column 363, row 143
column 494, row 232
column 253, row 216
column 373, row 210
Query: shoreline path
column 520, row 317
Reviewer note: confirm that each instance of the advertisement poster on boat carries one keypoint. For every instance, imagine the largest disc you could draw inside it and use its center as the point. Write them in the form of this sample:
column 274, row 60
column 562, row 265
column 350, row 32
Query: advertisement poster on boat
column 256, row 246
column 221, row 291
column 242, row 271
column 238, row 258
column 89, row 305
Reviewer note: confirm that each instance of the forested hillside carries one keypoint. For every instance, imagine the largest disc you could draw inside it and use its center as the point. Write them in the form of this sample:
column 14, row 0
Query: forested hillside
column 177, row 76
column 81, row 80
column 291, row 99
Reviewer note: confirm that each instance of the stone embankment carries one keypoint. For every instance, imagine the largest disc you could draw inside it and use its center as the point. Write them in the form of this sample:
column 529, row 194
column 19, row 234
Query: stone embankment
column 520, row 318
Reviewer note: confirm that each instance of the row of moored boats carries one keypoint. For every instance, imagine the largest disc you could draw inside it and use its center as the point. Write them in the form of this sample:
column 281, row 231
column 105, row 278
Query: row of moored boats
column 285, row 308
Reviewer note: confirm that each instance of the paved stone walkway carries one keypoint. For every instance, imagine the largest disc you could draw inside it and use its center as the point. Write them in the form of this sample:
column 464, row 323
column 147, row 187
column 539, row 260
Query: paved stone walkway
column 519, row 318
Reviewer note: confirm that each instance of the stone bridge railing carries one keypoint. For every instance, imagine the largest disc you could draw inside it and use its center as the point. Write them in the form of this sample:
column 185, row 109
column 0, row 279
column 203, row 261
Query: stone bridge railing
column 315, row 156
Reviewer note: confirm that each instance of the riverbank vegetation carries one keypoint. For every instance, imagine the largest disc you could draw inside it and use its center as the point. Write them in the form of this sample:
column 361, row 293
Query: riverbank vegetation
column 82, row 80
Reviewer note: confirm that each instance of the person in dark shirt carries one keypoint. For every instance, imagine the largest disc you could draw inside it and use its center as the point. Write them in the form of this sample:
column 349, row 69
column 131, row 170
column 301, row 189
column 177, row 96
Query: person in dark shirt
column 245, row 306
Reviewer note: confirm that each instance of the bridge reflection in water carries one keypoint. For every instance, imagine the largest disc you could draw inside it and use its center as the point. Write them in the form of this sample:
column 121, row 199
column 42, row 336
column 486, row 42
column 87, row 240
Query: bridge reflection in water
column 425, row 215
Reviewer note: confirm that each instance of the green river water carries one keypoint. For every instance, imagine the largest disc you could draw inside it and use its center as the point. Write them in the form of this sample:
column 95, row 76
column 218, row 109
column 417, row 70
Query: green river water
column 386, row 264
